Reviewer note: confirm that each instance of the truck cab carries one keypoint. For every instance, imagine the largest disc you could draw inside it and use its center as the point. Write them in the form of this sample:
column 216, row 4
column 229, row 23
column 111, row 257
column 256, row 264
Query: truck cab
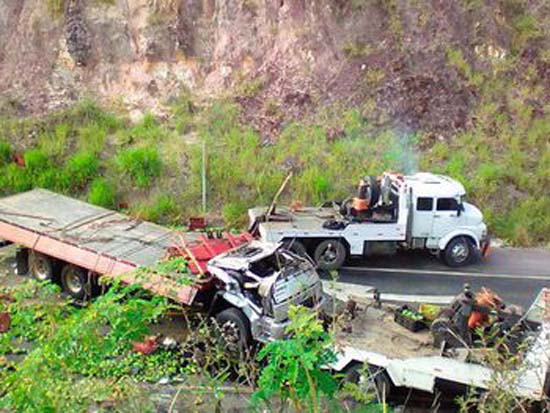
column 257, row 284
column 440, row 216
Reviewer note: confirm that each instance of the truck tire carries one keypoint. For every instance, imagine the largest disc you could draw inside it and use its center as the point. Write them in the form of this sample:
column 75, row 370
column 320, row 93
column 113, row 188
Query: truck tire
column 330, row 254
column 235, row 330
column 295, row 246
column 41, row 267
column 458, row 252
column 74, row 281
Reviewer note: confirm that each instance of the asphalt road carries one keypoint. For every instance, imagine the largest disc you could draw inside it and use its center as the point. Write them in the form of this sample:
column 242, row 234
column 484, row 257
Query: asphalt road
column 517, row 275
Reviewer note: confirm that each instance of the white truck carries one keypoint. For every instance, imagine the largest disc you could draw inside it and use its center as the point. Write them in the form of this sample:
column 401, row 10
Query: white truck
column 387, row 358
column 423, row 211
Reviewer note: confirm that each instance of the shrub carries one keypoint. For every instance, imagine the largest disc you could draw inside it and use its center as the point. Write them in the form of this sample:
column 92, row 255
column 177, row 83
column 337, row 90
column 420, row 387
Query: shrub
column 140, row 164
column 294, row 369
column 15, row 179
column 234, row 214
column 81, row 168
column 54, row 144
column 91, row 138
column 36, row 161
column 162, row 209
column 102, row 193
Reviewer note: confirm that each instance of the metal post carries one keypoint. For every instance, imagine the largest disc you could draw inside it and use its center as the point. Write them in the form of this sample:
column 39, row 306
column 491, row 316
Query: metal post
column 203, row 177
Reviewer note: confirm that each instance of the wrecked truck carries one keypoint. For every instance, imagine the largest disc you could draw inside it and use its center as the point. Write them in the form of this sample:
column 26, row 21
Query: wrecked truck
column 247, row 285
column 423, row 211
column 394, row 359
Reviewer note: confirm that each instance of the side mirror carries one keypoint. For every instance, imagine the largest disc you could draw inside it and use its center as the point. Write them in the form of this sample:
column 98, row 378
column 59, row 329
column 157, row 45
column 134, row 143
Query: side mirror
column 459, row 209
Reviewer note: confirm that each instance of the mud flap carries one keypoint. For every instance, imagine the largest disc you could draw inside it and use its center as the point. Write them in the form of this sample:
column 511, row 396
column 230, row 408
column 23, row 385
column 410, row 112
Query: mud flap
column 484, row 247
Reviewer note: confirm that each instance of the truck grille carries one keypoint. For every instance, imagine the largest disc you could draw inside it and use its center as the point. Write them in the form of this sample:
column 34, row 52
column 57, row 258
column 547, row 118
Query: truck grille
column 302, row 288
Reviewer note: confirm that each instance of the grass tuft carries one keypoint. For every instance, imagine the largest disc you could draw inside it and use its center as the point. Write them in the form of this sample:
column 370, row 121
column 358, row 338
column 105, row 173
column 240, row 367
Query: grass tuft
column 102, row 193
column 142, row 165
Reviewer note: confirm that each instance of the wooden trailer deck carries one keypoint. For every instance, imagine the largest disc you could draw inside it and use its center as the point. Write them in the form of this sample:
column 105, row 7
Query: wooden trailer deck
column 104, row 241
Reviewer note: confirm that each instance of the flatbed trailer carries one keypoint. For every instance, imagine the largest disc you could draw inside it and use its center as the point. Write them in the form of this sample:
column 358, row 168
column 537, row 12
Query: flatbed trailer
column 107, row 242
column 80, row 242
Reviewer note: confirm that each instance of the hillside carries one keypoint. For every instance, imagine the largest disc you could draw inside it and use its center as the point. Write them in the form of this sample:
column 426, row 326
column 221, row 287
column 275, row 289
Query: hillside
column 119, row 94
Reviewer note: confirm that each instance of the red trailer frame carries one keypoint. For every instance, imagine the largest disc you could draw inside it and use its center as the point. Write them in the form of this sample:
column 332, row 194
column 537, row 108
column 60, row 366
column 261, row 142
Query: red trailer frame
column 109, row 243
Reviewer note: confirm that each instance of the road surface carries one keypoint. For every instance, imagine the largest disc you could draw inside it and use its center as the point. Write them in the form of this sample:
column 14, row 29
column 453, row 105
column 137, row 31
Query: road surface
column 515, row 274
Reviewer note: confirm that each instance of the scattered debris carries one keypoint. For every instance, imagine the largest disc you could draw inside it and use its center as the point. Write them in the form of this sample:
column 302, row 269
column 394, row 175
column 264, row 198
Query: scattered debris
column 148, row 346
column 5, row 321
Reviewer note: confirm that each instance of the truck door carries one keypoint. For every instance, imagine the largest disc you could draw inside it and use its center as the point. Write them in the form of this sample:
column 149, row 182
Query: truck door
column 446, row 217
column 423, row 217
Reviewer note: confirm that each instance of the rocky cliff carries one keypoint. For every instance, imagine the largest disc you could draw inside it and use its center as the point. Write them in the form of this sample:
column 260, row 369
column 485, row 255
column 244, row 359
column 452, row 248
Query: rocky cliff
column 389, row 55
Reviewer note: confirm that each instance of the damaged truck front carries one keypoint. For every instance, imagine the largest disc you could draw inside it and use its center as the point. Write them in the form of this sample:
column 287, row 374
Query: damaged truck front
column 258, row 282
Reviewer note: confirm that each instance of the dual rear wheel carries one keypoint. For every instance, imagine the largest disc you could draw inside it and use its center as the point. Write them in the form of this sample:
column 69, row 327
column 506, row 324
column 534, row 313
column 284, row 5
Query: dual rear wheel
column 75, row 281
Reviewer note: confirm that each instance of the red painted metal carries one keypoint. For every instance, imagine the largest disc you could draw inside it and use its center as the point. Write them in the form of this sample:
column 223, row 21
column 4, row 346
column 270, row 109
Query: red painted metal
column 203, row 250
column 206, row 248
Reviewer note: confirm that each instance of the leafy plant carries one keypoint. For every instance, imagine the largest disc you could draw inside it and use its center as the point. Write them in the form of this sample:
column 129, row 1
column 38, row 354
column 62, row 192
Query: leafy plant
column 294, row 370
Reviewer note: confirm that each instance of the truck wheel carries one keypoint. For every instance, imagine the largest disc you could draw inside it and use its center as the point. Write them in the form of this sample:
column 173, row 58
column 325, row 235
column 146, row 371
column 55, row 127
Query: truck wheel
column 41, row 267
column 330, row 255
column 458, row 252
column 235, row 329
column 295, row 246
column 75, row 282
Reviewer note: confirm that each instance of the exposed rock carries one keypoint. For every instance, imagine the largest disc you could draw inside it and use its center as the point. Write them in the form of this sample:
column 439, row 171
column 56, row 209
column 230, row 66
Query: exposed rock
column 76, row 34
column 309, row 53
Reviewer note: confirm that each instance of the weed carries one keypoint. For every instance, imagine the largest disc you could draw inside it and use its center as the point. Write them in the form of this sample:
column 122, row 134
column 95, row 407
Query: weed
column 162, row 209
column 54, row 144
column 234, row 214
column 142, row 165
column 357, row 49
column 36, row 161
column 91, row 138
column 102, row 193
column 294, row 370
column 81, row 168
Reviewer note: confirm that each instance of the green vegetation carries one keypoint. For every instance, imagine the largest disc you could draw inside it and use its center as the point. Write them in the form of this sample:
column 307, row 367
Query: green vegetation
column 102, row 193
column 88, row 152
column 294, row 370
column 140, row 164
column 71, row 358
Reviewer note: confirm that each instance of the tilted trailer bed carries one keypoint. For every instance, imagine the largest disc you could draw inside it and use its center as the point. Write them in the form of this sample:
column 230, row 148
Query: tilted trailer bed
column 106, row 242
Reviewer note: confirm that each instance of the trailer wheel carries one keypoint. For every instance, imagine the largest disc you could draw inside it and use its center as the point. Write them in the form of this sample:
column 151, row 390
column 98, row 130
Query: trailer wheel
column 75, row 282
column 234, row 329
column 41, row 267
column 295, row 246
column 458, row 252
column 330, row 254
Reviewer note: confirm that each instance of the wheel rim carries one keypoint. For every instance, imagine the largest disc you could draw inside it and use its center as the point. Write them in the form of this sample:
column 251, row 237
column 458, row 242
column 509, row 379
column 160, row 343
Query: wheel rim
column 41, row 269
column 459, row 252
column 231, row 335
column 73, row 282
column 329, row 254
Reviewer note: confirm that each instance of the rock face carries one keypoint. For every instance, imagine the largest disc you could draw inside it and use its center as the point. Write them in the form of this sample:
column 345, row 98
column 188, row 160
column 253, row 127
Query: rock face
column 281, row 57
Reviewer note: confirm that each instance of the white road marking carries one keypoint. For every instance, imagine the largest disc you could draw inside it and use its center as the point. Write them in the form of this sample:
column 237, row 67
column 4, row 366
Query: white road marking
column 403, row 271
column 345, row 291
